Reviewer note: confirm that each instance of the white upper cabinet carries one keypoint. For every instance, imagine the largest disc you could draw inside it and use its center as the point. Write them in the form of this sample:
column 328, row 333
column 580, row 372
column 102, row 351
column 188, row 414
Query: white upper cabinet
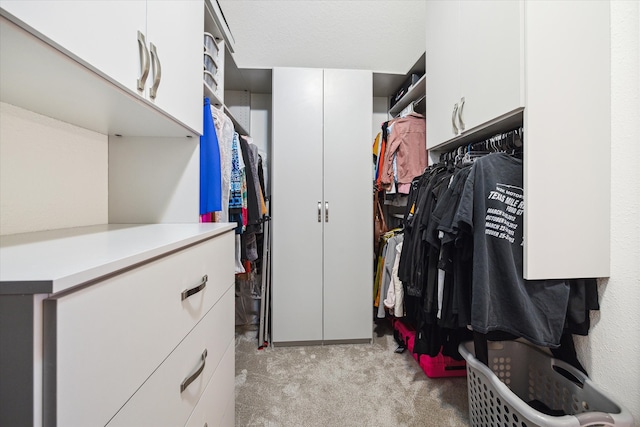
column 492, row 66
column 175, row 40
column 473, row 65
column 150, row 48
column 102, row 33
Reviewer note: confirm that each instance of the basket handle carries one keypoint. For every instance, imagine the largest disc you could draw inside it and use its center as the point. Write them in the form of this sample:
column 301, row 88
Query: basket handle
column 568, row 375
column 569, row 372
column 595, row 419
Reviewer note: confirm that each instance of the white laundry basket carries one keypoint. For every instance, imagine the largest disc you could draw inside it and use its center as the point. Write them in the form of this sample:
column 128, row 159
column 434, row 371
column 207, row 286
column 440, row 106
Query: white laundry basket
column 519, row 373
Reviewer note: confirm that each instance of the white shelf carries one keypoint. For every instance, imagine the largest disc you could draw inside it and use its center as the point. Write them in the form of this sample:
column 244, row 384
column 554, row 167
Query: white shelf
column 414, row 93
column 58, row 260
column 209, row 93
column 506, row 122
column 215, row 22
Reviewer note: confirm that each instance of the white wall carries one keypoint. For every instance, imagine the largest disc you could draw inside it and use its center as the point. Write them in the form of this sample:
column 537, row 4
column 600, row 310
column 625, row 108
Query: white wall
column 380, row 114
column 381, row 35
column 611, row 353
column 261, row 131
column 52, row 174
column 154, row 180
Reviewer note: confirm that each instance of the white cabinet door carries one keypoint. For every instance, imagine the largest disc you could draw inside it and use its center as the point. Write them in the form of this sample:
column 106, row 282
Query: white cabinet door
column 297, row 199
column 491, row 68
column 442, row 69
column 348, row 246
column 102, row 33
column 175, row 29
column 567, row 174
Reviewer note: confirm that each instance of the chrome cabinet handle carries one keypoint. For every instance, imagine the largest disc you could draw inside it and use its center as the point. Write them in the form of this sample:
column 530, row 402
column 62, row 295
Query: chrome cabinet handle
column 157, row 71
column 187, row 293
column 191, row 378
column 319, row 212
column 460, row 121
column 326, row 211
column 453, row 119
column 144, row 60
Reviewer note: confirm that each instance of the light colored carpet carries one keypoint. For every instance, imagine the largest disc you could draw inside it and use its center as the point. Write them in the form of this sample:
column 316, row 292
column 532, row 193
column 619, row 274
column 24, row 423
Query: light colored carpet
column 341, row 385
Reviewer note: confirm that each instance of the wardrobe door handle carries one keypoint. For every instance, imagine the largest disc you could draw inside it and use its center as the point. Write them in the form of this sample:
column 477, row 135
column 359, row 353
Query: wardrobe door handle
column 187, row 293
column 319, row 212
column 191, row 378
column 326, row 211
column 157, row 71
column 460, row 121
column 453, row 119
column 144, row 60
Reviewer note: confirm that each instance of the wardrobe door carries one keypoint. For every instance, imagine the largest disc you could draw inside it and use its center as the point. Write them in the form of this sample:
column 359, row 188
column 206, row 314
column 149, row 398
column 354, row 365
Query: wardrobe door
column 297, row 205
column 348, row 243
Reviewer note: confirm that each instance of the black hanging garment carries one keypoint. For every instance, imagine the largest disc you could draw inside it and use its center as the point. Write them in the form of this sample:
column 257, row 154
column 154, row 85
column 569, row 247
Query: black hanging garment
column 491, row 210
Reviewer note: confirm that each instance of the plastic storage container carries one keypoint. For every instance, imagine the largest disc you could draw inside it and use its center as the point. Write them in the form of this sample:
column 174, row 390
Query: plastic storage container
column 210, row 80
column 210, row 44
column 435, row 367
column 520, row 377
column 210, row 64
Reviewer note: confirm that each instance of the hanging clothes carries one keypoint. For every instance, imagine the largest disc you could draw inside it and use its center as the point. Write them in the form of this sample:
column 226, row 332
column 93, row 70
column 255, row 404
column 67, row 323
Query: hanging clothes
column 406, row 145
column 235, row 199
column 491, row 209
column 461, row 259
column 254, row 191
column 224, row 130
column 387, row 269
column 210, row 172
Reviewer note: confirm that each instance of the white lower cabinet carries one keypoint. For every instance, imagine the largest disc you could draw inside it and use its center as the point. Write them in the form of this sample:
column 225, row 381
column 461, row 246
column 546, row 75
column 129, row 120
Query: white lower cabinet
column 169, row 396
column 138, row 347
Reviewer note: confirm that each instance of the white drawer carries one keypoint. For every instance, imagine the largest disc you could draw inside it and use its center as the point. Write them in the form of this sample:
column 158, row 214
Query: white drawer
column 161, row 401
column 229, row 419
column 102, row 342
column 218, row 398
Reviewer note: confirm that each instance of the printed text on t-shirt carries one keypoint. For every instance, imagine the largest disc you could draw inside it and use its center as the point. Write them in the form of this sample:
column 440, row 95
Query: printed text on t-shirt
column 501, row 222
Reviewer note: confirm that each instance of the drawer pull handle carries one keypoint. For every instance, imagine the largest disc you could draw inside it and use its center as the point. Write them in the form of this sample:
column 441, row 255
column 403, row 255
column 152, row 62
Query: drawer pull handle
column 186, row 294
column 195, row 375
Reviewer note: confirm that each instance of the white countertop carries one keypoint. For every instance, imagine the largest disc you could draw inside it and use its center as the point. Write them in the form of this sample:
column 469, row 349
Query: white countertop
column 57, row 260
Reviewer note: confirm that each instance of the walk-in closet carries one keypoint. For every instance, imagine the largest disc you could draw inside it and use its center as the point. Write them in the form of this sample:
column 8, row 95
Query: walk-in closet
column 319, row 213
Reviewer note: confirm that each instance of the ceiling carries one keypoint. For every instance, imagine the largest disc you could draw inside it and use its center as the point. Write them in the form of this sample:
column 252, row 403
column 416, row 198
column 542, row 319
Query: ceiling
column 387, row 37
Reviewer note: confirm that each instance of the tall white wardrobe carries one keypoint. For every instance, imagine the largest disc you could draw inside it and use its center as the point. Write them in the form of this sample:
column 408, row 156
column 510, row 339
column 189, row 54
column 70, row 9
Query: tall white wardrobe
column 321, row 187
